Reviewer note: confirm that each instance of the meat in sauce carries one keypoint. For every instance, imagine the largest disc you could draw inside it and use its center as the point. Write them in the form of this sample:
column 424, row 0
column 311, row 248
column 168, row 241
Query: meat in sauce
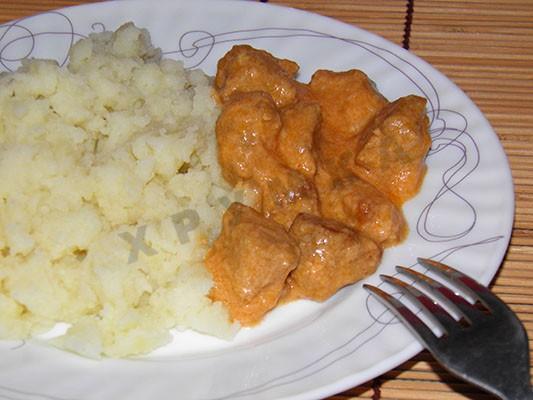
column 332, row 256
column 300, row 124
column 249, row 136
column 362, row 207
column 349, row 103
column 247, row 131
column 245, row 69
column 250, row 262
column 393, row 158
column 286, row 195
column 331, row 163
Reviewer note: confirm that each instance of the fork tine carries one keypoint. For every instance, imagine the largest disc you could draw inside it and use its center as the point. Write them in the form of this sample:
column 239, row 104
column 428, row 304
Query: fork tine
column 438, row 314
column 468, row 311
column 415, row 325
column 468, row 285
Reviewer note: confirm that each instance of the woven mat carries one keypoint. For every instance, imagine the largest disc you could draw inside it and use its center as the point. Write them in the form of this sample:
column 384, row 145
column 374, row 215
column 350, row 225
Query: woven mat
column 486, row 47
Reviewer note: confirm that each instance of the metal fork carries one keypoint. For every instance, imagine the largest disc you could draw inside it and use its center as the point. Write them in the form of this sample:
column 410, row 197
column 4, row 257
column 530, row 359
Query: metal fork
column 486, row 346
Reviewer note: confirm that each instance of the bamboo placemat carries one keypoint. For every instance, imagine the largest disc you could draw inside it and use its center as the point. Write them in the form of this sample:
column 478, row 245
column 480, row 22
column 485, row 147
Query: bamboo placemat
column 486, row 47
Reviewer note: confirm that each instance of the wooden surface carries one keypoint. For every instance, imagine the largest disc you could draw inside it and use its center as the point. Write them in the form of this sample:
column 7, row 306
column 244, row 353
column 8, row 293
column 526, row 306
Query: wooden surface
column 486, row 47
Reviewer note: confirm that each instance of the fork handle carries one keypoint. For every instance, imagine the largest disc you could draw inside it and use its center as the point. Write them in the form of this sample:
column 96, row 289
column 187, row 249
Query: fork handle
column 529, row 395
column 519, row 394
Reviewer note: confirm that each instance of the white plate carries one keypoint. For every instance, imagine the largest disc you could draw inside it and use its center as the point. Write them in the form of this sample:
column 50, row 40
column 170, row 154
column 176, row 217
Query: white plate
column 463, row 214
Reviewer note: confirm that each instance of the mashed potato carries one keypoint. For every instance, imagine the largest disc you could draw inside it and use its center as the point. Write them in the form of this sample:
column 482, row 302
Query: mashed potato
column 110, row 194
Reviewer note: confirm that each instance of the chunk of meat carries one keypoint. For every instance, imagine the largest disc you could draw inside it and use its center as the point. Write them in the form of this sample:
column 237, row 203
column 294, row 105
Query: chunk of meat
column 247, row 132
column 332, row 256
column 250, row 262
column 362, row 207
column 285, row 194
column 349, row 102
column 295, row 144
column 336, row 157
column 245, row 69
column 393, row 159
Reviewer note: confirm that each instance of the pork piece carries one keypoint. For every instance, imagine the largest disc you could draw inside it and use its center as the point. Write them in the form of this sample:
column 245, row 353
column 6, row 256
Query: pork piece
column 247, row 135
column 285, row 194
column 295, row 145
column 245, row 69
column 393, row 159
column 247, row 131
column 349, row 103
column 362, row 207
column 250, row 262
column 332, row 256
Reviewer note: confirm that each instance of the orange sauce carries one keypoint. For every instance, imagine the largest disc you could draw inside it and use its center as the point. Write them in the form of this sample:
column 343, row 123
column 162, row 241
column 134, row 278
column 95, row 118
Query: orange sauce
column 331, row 162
